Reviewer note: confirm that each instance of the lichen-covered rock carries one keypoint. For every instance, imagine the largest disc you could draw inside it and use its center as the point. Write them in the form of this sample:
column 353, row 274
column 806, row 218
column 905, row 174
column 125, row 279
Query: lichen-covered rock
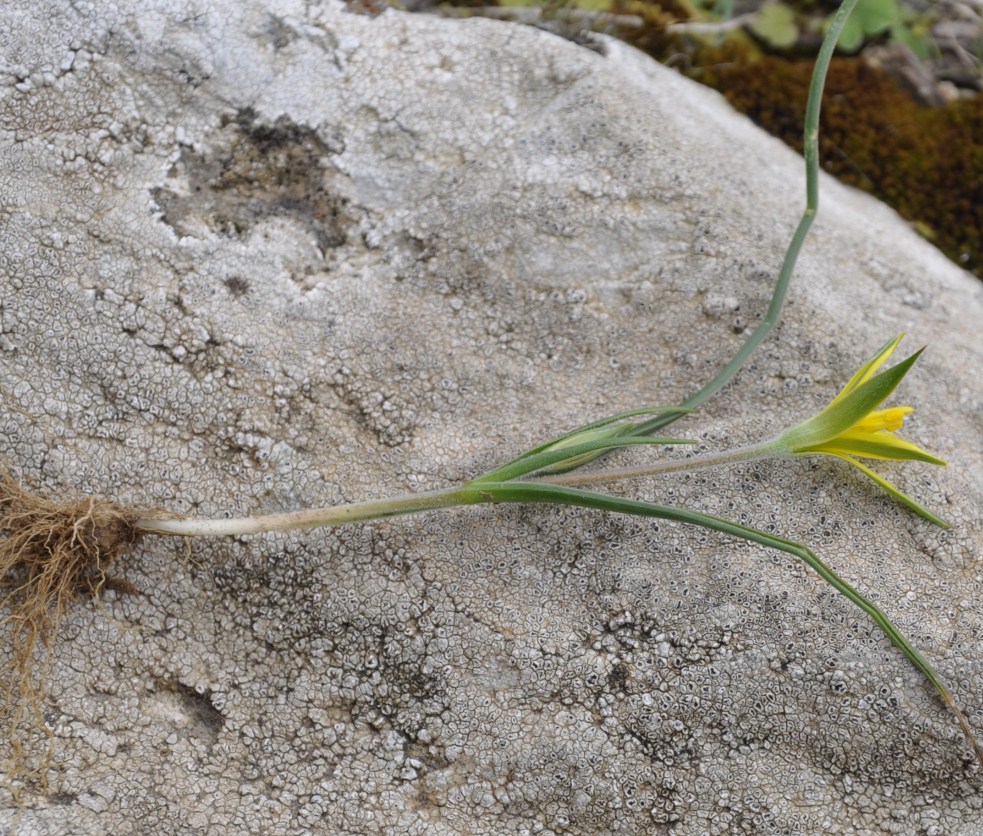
column 262, row 255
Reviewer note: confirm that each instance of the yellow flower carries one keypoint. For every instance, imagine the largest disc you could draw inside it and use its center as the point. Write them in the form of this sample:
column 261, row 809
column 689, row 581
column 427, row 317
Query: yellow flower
column 851, row 426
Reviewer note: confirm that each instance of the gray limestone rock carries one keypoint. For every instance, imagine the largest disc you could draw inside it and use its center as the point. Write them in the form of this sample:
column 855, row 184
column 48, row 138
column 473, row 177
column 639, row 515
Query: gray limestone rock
column 262, row 255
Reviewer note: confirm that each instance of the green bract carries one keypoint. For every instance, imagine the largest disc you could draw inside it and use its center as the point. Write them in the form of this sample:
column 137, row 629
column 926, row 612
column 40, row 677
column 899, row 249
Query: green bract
column 851, row 426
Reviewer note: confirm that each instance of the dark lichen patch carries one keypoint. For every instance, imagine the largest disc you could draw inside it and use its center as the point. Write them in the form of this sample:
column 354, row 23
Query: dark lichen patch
column 278, row 33
column 617, row 678
column 187, row 712
column 208, row 720
column 62, row 799
column 255, row 172
column 237, row 286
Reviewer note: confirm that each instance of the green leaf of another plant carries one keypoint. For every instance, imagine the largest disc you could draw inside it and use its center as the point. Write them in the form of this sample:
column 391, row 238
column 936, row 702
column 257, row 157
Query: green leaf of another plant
column 876, row 15
column 852, row 36
column 775, row 24
column 871, row 17
column 915, row 37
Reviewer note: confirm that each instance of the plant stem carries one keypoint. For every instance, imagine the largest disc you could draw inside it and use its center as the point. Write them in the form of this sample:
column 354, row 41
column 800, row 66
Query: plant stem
column 470, row 493
column 373, row 509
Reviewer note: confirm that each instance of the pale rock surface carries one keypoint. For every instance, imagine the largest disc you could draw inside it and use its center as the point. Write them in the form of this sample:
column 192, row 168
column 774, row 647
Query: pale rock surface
column 260, row 255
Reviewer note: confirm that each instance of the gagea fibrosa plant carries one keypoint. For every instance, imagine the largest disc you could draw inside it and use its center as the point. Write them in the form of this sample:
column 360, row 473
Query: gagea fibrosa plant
column 52, row 553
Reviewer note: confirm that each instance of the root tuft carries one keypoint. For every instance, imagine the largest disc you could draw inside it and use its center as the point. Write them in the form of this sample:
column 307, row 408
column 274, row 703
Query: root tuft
column 51, row 554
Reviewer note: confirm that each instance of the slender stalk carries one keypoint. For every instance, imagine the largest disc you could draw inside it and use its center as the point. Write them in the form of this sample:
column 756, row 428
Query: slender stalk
column 618, row 474
column 810, row 140
column 374, row 509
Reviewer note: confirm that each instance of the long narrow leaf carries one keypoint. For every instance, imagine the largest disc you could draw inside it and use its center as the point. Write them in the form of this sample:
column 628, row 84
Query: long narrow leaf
column 552, row 461
column 810, row 143
column 601, row 423
column 534, row 492
column 613, row 426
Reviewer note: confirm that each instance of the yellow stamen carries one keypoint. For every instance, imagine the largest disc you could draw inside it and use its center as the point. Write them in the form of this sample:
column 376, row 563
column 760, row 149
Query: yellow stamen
column 890, row 419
